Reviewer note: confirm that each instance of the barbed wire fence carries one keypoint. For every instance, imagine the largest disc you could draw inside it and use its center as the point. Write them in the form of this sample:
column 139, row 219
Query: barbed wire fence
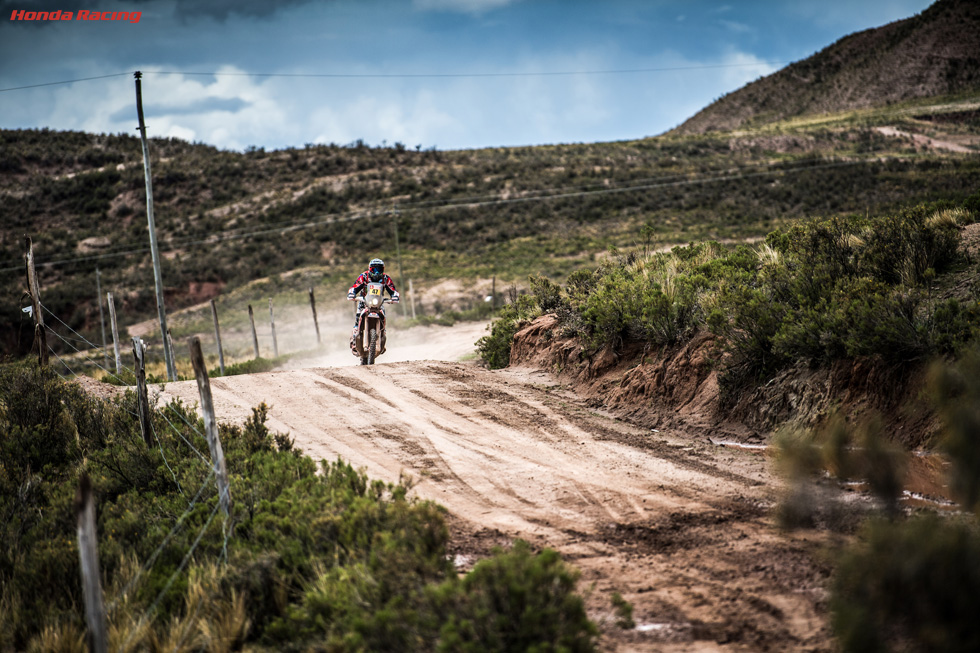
column 88, row 354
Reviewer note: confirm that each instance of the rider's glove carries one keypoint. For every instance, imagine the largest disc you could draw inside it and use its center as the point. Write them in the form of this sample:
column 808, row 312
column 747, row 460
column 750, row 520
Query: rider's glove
column 350, row 294
column 395, row 297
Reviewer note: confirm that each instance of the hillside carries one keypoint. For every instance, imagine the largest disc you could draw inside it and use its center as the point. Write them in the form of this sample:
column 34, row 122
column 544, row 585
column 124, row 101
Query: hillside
column 244, row 227
column 936, row 52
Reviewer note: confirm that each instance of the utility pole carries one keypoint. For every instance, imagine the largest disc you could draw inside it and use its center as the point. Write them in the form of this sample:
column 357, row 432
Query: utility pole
column 154, row 251
column 272, row 321
column 98, row 295
column 398, row 253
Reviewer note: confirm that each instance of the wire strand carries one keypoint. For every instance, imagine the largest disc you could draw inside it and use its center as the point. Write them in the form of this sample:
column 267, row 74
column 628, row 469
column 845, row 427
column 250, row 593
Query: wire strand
column 152, row 559
column 164, row 456
column 88, row 359
column 554, row 73
column 149, row 614
column 177, row 431
column 70, row 371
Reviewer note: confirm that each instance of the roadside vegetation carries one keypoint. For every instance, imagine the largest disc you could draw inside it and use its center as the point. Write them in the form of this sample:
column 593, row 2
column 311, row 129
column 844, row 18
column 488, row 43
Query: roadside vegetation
column 906, row 581
column 898, row 289
column 819, row 291
column 319, row 558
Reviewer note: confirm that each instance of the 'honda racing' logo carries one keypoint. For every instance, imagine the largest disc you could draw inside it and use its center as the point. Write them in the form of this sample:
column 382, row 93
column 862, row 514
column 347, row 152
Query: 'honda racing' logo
column 23, row 14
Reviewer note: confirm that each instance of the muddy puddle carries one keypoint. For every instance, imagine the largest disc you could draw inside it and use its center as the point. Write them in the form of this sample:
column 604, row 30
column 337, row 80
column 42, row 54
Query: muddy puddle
column 926, row 483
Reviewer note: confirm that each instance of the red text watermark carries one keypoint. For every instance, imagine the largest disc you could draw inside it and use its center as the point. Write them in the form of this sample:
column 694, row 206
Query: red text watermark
column 127, row 16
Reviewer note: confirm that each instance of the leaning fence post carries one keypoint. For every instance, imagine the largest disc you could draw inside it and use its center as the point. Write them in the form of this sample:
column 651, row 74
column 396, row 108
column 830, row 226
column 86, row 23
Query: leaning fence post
column 217, row 336
column 272, row 320
column 88, row 555
column 115, row 332
column 316, row 325
column 255, row 338
column 40, row 335
column 142, row 400
column 210, row 424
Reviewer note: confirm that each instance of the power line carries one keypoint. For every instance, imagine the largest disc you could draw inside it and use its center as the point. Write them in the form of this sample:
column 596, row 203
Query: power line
column 68, row 81
column 450, row 203
column 553, row 73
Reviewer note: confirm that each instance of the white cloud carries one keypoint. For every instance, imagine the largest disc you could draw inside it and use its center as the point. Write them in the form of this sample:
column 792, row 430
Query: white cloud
column 743, row 68
column 736, row 27
column 233, row 111
column 462, row 6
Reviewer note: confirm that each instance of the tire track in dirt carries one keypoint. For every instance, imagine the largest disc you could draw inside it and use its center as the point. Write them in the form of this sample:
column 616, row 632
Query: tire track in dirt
column 677, row 527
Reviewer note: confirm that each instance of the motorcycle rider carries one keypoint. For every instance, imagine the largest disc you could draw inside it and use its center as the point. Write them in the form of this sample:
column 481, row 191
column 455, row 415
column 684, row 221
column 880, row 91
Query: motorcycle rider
column 374, row 274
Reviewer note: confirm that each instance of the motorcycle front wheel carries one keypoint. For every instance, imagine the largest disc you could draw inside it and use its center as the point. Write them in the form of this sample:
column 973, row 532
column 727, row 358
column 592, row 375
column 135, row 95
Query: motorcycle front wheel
column 372, row 345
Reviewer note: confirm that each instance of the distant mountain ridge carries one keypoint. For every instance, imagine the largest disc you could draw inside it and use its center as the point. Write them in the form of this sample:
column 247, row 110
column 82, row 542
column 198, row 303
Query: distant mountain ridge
column 935, row 52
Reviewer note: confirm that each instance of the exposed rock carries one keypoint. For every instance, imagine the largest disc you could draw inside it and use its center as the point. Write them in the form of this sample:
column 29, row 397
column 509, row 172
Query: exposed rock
column 93, row 244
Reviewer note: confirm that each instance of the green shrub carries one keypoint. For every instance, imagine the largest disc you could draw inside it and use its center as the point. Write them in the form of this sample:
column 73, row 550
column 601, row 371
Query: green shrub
column 956, row 390
column 900, row 249
column 251, row 366
column 499, row 606
column 308, row 558
column 624, row 611
column 748, row 318
column 972, row 205
column 909, row 586
column 494, row 349
column 912, row 584
column 41, row 418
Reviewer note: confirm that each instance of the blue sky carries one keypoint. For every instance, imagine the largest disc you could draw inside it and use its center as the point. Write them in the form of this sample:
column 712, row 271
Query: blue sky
column 436, row 73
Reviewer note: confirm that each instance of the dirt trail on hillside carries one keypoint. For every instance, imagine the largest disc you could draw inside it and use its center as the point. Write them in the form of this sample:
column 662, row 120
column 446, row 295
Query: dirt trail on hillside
column 927, row 141
column 678, row 526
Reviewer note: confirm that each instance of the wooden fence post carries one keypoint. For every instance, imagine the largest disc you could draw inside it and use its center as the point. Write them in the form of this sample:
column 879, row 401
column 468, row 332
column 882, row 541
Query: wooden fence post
column 88, row 554
column 210, row 424
column 272, row 320
column 316, row 324
column 142, row 400
column 40, row 335
column 255, row 338
column 217, row 337
column 411, row 296
column 115, row 331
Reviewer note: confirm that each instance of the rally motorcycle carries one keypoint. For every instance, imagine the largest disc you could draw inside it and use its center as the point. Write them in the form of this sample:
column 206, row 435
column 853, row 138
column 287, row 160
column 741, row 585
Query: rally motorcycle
column 368, row 340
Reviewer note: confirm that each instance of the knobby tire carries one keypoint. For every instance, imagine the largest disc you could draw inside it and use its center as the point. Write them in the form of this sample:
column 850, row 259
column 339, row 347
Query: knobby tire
column 373, row 343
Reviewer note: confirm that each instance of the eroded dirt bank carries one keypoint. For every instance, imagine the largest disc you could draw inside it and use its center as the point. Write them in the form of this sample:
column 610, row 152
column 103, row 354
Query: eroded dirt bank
column 677, row 387
column 678, row 526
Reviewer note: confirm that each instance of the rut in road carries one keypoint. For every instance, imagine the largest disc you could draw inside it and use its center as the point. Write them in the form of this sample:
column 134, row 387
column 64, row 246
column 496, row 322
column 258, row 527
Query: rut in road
column 492, row 449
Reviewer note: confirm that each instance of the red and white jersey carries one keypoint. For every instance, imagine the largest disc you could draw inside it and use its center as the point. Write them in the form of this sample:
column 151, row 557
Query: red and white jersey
column 364, row 280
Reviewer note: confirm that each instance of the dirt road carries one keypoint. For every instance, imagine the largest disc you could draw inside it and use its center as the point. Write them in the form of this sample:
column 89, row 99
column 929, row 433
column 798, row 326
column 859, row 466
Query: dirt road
column 678, row 526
